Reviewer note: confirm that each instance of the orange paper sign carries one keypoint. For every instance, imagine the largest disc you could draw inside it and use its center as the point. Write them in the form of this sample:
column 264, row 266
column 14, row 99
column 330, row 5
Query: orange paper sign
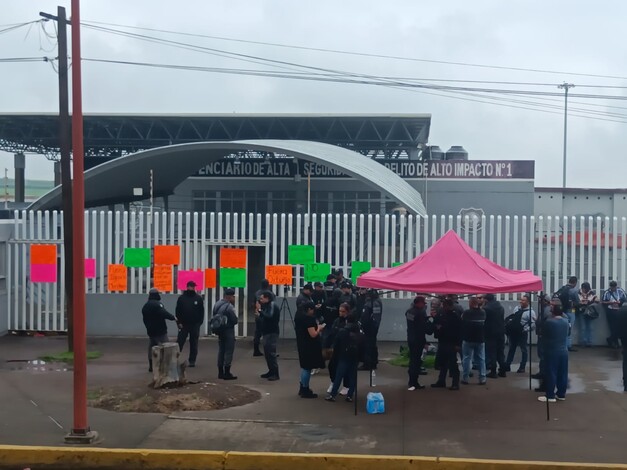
column 162, row 278
column 117, row 278
column 167, row 254
column 232, row 257
column 280, row 275
column 210, row 279
column 43, row 254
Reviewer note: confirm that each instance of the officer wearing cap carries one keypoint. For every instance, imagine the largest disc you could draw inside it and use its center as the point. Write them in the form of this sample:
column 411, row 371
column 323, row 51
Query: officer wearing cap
column 226, row 334
column 154, row 315
column 190, row 313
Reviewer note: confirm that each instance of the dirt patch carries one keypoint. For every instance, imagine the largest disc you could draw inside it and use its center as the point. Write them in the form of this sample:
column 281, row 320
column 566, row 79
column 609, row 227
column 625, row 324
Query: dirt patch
column 203, row 396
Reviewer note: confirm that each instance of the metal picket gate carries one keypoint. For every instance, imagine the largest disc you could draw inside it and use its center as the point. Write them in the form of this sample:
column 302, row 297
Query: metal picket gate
column 552, row 247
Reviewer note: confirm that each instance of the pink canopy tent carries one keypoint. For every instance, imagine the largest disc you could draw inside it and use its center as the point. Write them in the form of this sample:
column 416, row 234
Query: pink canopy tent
column 450, row 266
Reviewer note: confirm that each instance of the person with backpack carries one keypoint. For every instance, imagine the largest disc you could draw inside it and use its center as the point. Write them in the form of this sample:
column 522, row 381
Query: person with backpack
column 586, row 313
column 270, row 314
column 190, row 313
column 518, row 326
column 569, row 298
column 223, row 324
column 154, row 316
column 346, row 350
column 613, row 299
column 309, row 346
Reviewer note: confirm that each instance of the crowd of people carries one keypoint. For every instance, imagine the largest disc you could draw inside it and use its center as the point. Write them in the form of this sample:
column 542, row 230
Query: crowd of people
column 336, row 327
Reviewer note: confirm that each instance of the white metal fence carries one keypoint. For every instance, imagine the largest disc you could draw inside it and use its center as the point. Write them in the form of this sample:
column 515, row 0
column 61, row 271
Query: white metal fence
column 553, row 247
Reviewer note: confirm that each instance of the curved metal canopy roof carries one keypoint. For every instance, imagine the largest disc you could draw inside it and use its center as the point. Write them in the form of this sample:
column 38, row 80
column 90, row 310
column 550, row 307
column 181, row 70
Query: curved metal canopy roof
column 113, row 182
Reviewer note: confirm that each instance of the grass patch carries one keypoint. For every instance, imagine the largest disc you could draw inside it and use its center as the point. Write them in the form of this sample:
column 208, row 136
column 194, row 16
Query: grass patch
column 402, row 359
column 68, row 356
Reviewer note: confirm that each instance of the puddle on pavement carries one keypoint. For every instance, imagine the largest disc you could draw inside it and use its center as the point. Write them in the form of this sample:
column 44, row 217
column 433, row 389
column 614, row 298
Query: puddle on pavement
column 614, row 380
column 36, row 365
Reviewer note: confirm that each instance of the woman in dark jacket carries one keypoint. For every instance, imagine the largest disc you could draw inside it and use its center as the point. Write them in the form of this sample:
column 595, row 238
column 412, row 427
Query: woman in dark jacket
column 309, row 346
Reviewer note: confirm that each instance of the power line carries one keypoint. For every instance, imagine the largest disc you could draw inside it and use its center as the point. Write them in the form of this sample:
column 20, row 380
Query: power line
column 355, row 53
column 16, row 26
column 280, row 63
column 519, row 104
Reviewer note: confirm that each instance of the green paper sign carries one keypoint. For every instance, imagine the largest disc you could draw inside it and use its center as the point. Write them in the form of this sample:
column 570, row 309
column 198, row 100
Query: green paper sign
column 301, row 254
column 396, row 264
column 317, row 272
column 358, row 268
column 232, row 277
column 137, row 257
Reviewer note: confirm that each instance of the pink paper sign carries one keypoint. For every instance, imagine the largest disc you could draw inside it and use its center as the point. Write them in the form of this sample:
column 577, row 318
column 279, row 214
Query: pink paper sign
column 43, row 273
column 185, row 276
column 90, row 268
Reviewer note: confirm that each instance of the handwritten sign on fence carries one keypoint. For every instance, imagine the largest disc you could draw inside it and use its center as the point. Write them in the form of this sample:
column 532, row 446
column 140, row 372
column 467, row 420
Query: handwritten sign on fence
column 317, row 272
column 232, row 277
column 301, row 254
column 117, row 278
column 167, row 254
column 185, row 276
column 210, row 279
column 358, row 268
column 43, row 254
column 137, row 257
column 162, row 277
column 232, row 257
column 279, row 274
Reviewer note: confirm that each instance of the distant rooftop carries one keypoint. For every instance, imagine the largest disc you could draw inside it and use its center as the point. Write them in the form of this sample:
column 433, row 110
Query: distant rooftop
column 114, row 135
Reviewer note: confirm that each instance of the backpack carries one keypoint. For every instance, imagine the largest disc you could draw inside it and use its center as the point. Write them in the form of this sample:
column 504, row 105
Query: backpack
column 219, row 320
column 563, row 293
column 513, row 325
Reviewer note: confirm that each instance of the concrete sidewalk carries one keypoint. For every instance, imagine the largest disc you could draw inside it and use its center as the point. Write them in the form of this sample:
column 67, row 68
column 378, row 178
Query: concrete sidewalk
column 502, row 420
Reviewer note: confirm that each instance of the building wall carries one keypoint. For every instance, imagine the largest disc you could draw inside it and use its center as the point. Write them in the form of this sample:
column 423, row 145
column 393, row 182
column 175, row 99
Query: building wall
column 440, row 196
column 580, row 202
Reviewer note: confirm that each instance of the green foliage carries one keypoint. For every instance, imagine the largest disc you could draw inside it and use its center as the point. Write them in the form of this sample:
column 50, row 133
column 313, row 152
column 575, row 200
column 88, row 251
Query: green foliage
column 68, row 356
column 402, row 359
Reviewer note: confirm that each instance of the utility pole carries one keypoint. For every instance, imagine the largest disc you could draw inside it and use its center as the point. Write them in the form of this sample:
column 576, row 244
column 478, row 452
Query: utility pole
column 565, row 86
column 66, row 163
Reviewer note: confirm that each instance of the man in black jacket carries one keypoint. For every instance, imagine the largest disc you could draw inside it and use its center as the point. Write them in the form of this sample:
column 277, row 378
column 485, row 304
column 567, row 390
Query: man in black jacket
column 494, row 336
column 473, row 340
column 370, row 320
column 154, row 315
column 226, row 334
column 190, row 313
column 417, row 328
column 621, row 333
column 270, row 314
column 265, row 287
column 448, row 332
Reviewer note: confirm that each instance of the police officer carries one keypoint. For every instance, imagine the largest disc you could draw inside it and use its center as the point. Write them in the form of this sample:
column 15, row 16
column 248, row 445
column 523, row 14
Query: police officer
column 226, row 334
column 370, row 320
column 154, row 316
column 190, row 313
column 417, row 328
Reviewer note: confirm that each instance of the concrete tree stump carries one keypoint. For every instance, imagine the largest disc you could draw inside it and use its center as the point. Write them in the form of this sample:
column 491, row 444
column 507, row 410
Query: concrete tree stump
column 167, row 370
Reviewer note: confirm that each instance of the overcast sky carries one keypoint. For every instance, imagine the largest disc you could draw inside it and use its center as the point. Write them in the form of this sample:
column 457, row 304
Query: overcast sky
column 570, row 37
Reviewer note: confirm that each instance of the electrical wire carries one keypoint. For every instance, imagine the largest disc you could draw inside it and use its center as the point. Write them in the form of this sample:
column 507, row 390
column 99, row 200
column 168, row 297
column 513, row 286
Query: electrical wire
column 355, row 53
column 494, row 100
column 273, row 62
column 16, row 26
